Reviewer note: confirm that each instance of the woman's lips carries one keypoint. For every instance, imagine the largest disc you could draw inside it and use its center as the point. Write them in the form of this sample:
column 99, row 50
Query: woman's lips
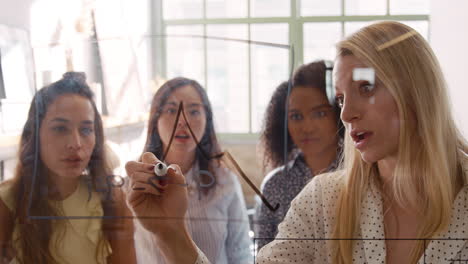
column 361, row 139
column 309, row 140
column 182, row 137
column 73, row 162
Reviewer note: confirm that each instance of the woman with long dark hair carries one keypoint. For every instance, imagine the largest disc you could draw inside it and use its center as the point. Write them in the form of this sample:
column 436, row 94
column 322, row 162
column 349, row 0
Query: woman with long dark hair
column 216, row 217
column 52, row 210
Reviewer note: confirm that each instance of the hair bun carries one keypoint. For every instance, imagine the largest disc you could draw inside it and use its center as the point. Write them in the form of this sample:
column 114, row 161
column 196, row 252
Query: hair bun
column 76, row 76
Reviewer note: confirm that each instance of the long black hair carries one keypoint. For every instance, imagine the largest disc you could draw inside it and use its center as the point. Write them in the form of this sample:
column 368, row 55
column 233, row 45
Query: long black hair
column 313, row 76
column 208, row 143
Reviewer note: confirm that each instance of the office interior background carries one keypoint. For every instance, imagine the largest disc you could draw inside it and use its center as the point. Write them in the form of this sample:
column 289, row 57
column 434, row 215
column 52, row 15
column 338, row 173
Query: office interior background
column 239, row 50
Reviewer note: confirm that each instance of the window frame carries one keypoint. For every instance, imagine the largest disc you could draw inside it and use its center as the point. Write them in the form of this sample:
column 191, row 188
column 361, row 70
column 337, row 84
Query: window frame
column 296, row 37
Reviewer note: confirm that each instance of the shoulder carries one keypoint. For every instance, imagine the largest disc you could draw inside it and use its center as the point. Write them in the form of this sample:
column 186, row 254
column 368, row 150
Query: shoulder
column 7, row 194
column 296, row 168
column 273, row 178
column 323, row 189
column 225, row 176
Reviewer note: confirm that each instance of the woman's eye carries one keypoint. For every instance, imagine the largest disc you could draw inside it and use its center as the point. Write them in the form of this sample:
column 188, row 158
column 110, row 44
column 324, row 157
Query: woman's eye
column 295, row 116
column 319, row 114
column 171, row 111
column 87, row 131
column 59, row 129
column 194, row 112
column 339, row 100
column 366, row 88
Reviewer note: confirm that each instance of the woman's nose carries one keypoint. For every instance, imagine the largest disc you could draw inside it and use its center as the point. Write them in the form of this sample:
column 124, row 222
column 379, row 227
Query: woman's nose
column 181, row 122
column 74, row 141
column 350, row 111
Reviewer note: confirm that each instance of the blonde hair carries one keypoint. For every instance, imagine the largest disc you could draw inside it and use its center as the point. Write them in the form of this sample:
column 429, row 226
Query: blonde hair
column 429, row 173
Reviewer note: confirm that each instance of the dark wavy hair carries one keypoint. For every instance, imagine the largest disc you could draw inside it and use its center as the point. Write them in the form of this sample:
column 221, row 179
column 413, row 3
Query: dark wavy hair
column 208, row 144
column 313, row 76
column 30, row 180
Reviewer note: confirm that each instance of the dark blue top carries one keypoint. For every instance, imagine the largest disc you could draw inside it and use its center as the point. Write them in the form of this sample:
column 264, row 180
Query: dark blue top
column 280, row 187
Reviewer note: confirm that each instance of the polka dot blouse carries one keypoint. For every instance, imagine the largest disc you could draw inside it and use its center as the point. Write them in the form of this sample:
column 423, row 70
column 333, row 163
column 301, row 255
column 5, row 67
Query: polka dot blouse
column 311, row 218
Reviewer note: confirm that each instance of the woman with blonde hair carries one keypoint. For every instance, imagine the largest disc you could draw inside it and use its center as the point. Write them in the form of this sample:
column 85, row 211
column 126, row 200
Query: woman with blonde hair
column 402, row 195
column 403, row 189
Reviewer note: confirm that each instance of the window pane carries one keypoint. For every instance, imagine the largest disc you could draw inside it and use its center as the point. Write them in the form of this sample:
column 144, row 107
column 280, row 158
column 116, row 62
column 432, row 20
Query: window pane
column 320, row 40
column 351, row 27
column 228, row 85
column 366, row 7
column 269, row 67
column 404, row 7
column 226, row 8
column 269, row 8
column 320, row 8
column 179, row 9
column 422, row 27
column 185, row 54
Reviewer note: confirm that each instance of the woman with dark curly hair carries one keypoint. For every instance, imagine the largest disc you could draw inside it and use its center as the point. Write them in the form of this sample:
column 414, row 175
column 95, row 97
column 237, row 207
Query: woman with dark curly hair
column 313, row 143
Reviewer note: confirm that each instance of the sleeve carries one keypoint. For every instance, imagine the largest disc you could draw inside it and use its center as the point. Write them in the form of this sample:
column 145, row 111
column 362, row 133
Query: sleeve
column 266, row 220
column 238, row 242
column 298, row 240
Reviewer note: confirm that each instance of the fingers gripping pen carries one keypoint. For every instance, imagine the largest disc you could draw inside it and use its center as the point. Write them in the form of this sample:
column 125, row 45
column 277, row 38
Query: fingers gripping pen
column 160, row 171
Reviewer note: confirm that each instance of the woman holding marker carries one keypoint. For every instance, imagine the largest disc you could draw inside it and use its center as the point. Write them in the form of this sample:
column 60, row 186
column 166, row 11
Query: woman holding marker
column 216, row 218
column 62, row 174
column 402, row 195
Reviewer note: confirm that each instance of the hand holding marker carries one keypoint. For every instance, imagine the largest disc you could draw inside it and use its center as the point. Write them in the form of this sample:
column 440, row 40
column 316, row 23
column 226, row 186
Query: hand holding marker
column 160, row 168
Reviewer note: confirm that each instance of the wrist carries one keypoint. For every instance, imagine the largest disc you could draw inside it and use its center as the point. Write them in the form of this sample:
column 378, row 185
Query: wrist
column 177, row 245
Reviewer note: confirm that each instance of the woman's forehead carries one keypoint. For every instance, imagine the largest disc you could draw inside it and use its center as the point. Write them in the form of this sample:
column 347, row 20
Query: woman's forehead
column 345, row 64
column 71, row 107
column 186, row 94
column 349, row 68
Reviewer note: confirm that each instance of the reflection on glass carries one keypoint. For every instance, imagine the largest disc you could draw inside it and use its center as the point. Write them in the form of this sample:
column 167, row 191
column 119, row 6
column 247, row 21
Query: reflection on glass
column 319, row 40
column 405, row 7
column 179, row 9
column 226, row 8
column 269, row 66
column 270, row 8
column 365, row 7
column 184, row 55
column 320, row 8
column 228, row 78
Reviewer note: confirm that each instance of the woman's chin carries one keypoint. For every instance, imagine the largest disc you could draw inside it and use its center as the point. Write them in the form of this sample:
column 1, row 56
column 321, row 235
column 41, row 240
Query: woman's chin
column 368, row 158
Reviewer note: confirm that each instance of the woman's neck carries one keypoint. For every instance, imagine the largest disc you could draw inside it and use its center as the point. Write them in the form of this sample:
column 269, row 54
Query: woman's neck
column 59, row 187
column 319, row 162
column 386, row 169
column 184, row 160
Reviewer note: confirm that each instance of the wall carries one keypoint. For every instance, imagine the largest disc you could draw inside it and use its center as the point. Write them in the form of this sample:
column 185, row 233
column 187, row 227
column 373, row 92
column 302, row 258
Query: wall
column 15, row 13
column 449, row 38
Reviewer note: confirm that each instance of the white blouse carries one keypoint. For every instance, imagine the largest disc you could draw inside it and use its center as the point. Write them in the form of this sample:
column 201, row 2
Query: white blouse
column 217, row 222
column 312, row 216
